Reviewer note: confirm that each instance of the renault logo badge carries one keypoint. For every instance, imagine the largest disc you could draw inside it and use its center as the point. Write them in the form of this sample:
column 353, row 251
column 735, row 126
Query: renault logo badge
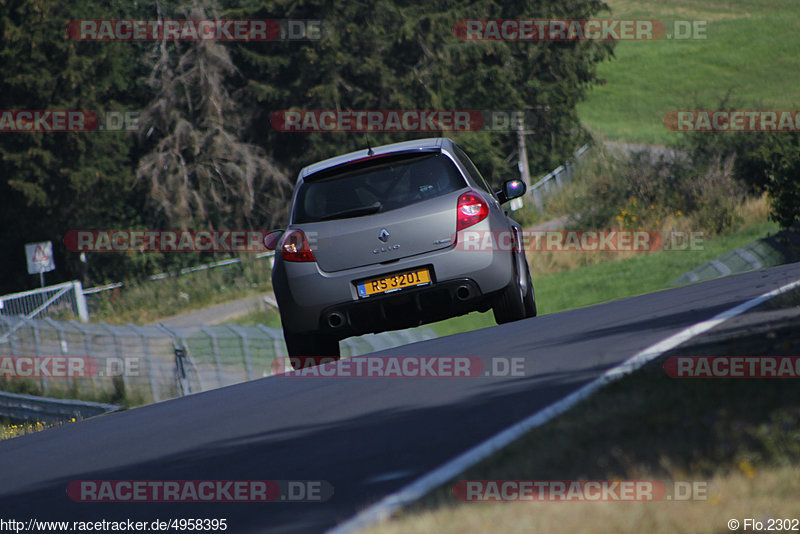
column 384, row 235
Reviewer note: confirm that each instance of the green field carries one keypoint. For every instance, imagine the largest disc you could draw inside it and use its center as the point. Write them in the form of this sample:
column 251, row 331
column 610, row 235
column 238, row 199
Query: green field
column 751, row 52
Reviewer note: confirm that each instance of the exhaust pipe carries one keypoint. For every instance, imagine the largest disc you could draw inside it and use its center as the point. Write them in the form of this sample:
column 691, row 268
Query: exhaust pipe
column 336, row 320
column 463, row 293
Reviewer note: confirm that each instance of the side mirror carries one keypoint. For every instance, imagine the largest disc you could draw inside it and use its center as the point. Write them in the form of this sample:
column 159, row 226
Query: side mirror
column 271, row 239
column 511, row 189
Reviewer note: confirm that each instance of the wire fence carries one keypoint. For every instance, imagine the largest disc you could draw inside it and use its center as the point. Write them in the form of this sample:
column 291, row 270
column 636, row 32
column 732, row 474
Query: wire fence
column 100, row 361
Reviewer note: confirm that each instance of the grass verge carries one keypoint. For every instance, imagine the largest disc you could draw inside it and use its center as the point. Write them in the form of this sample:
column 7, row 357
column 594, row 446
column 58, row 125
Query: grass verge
column 114, row 393
column 268, row 317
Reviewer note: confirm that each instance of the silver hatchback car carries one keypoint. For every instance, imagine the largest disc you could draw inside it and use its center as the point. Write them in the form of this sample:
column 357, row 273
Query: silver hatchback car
column 377, row 240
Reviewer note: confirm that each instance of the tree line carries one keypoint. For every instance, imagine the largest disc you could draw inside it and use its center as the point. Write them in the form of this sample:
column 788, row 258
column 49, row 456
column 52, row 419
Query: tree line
column 203, row 154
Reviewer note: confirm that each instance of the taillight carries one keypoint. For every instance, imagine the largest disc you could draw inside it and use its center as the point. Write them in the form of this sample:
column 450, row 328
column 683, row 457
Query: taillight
column 296, row 248
column 472, row 209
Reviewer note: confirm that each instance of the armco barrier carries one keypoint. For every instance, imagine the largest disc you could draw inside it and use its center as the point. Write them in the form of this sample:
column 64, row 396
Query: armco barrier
column 46, row 410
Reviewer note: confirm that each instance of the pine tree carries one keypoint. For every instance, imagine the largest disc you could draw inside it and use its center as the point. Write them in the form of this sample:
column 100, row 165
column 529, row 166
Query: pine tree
column 199, row 172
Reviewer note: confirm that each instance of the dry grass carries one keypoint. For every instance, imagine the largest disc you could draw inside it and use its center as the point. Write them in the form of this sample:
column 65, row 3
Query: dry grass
column 765, row 494
column 542, row 263
column 753, row 210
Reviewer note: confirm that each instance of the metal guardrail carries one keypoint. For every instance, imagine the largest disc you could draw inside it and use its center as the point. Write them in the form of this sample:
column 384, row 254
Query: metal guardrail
column 32, row 408
column 555, row 179
column 558, row 170
column 186, row 270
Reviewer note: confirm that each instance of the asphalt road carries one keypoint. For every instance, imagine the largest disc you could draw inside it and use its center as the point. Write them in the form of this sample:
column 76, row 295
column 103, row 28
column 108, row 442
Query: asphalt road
column 365, row 436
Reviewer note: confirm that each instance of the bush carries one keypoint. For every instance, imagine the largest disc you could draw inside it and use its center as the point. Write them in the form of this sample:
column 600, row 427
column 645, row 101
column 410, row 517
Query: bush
column 761, row 162
column 643, row 189
column 779, row 154
column 715, row 196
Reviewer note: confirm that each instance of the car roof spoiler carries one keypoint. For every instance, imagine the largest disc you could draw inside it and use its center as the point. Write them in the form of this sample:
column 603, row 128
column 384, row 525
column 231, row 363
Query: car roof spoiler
column 366, row 161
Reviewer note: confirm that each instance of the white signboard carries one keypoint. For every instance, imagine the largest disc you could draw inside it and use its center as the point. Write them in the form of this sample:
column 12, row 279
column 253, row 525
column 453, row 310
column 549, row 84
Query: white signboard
column 40, row 257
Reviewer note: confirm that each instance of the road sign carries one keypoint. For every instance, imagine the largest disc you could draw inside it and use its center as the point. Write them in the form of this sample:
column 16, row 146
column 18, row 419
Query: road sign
column 40, row 257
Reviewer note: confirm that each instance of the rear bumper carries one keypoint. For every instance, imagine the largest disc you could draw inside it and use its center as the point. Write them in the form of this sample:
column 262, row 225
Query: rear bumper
column 404, row 309
column 307, row 297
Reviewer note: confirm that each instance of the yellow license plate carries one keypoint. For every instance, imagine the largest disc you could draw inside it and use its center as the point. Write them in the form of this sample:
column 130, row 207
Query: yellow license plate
column 394, row 282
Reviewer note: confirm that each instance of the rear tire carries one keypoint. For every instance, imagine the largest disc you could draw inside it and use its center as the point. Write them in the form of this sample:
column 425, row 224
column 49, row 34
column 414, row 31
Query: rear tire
column 510, row 305
column 308, row 350
column 530, row 299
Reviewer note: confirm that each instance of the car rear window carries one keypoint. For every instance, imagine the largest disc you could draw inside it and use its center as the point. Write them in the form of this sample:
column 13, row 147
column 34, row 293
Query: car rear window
column 376, row 188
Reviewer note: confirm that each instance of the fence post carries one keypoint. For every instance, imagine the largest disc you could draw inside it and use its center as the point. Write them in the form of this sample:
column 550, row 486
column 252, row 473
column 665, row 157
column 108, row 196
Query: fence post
column 149, row 357
column 245, row 347
column 80, row 301
column 37, row 343
column 62, row 342
column 12, row 342
column 215, row 346
column 183, row 345
column 118, row 354
column 87, row 344
column 277, row 346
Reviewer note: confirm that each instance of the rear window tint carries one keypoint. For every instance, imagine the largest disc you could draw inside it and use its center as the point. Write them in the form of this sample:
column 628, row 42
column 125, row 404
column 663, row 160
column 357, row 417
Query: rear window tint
column 378, row 188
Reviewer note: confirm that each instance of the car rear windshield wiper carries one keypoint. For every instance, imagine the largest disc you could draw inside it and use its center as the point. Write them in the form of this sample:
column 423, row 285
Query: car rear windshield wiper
column 354, row 212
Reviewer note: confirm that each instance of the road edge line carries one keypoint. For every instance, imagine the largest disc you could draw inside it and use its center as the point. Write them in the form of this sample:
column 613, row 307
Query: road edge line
column 417, row 489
